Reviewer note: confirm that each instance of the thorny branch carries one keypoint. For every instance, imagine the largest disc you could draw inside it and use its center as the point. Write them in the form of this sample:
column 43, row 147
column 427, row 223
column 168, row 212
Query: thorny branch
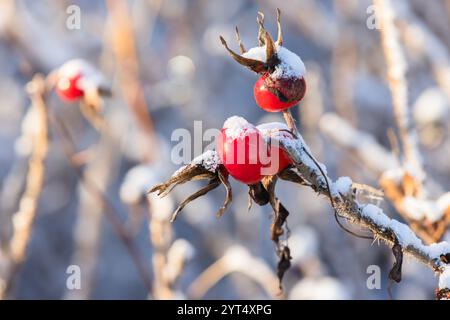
column 367, row 216
column 396, row 185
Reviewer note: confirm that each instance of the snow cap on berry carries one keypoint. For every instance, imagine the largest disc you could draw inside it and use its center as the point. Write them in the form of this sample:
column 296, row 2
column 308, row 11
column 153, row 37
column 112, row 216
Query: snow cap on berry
column 269, row 57
column 91, row 78
column 238, row 127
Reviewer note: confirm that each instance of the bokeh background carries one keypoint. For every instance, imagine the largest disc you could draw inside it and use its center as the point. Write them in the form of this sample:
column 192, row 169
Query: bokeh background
column 165, row 56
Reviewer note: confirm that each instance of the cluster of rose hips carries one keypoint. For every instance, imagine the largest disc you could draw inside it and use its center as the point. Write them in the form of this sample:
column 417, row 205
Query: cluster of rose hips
column 246, row 151
column 281, row 85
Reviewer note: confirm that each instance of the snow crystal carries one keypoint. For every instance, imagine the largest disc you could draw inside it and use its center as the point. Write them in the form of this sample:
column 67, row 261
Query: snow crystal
column 444, row 278
column 236, row 127
column 291, row 65
column 276, row 131
column 256, row 53
column 209, row 160
column 342, row 186
column 272, row 127
column 405, row 235
column 376, row 215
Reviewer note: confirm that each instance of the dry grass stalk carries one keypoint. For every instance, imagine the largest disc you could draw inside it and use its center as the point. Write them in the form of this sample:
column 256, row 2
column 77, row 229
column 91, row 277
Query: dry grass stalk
column 169, row 256
column 124, row 49
column 396, row 70
column 23, row 219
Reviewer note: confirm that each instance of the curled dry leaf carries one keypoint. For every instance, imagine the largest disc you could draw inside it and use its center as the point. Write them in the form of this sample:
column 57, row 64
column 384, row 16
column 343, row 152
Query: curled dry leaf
column 396, row 271
column 284, row 264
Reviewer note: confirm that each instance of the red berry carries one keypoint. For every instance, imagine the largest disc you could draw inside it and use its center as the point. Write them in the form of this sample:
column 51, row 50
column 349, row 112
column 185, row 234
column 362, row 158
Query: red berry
column 279, row 160
column 239, row 145
column 280, row 94
column 67, row 87
column 246, row 155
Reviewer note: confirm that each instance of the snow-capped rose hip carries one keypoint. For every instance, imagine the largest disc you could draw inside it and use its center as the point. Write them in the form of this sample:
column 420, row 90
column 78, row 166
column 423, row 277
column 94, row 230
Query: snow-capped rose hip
column 239, row 146
column 75, row 79
column 67, row 87
column 281, row 84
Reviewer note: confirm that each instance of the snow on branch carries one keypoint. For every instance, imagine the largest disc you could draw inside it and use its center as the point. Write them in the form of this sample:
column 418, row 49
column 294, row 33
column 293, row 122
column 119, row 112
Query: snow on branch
column 427, row 217
column 365, row 215
column 307, row 171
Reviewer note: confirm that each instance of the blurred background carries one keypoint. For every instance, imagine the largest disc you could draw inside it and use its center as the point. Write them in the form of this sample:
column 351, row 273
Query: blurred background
column 167, row 69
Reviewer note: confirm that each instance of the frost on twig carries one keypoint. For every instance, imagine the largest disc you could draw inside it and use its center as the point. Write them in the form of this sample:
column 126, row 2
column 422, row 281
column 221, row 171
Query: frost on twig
column 367, row 215
column 427, row 217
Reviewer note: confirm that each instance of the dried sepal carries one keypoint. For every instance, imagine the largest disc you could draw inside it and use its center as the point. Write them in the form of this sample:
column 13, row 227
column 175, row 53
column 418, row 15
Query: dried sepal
column 229, row 196
column 262, row 30
column 280, row 36
column 210, row 186
column 264, row 39
column 271, row 53
column 396, row 271
column 254, row 65
column 290, row 174
column 241, row 45
column 204, row 169
column 258, row 193
column 283, row 264
column 191, row 172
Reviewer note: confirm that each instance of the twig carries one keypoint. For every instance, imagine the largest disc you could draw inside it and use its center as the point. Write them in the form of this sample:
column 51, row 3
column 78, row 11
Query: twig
column 124, row 49
column 23, row 219
column 396, row 69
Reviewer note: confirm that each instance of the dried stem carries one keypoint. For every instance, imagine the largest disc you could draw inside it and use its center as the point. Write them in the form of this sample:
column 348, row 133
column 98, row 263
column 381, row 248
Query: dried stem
column 23, row 219
column 396, row 69
column 124, row 49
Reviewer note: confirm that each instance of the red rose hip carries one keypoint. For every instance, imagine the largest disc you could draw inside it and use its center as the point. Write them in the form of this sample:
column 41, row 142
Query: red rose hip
column 281, row 84
column 68, row 88
column 239, row 146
